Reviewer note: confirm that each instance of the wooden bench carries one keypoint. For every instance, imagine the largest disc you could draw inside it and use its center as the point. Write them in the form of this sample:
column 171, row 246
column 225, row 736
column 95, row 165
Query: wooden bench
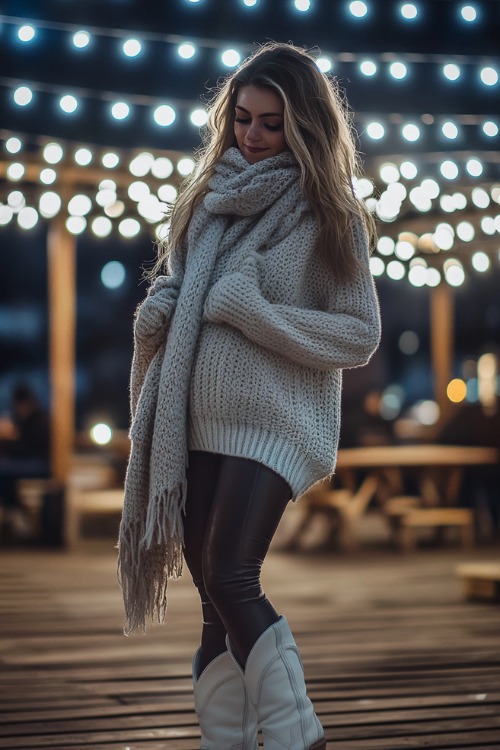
column 43, row 500
column 406, row 515
column 342, row 509
column 89, row 502
column 57, row 512
column 480, row 580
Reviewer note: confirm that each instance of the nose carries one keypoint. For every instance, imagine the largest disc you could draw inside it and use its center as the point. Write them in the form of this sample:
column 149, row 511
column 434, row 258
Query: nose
column 252, row 133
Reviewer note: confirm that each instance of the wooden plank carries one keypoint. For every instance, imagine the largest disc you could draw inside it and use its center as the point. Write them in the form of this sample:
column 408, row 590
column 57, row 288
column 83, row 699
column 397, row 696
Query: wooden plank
column 394, row 657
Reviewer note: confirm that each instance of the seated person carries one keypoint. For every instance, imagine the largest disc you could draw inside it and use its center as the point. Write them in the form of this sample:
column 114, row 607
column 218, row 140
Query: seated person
column 24, row 453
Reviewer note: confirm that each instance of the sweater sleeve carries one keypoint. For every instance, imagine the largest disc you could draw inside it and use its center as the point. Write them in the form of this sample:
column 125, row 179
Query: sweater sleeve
column 344, row 335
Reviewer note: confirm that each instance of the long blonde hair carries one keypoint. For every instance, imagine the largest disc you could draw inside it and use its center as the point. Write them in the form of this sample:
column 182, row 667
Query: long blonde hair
column 318, row 131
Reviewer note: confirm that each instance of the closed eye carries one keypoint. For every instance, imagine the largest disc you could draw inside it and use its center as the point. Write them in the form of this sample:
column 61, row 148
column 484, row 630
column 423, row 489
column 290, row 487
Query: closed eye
column 246, row 121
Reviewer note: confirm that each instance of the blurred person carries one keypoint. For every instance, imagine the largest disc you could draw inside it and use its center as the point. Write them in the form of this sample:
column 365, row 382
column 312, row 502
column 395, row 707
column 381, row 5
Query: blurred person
column 236, row 378
column 24, row 453
column 475, row 424
column 362, row 423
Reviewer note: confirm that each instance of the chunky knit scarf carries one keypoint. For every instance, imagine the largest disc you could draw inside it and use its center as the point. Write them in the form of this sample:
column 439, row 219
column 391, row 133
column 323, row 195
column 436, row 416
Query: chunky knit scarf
column 263, row 197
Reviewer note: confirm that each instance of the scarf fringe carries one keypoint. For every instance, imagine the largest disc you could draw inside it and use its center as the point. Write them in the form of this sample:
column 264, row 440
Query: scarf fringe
column 148, row 558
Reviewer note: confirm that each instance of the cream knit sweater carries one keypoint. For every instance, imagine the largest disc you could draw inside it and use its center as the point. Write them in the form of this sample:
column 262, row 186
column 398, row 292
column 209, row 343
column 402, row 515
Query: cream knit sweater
column 238, row 350
column 277, row 332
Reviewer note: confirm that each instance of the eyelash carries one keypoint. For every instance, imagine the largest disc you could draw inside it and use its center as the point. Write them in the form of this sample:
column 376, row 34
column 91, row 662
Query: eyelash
column 272, row 128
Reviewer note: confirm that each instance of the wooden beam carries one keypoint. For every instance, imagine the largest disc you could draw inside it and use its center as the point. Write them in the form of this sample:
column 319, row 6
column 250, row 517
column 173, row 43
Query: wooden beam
column 442, row 342
column 61, row 251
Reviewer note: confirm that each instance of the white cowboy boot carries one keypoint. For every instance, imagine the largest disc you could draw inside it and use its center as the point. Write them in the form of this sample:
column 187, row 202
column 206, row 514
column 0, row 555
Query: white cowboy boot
column 226, row 717
column 274, row 679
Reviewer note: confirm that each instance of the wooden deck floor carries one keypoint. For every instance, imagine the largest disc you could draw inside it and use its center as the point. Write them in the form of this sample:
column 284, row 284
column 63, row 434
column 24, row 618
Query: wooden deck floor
column 394, row 657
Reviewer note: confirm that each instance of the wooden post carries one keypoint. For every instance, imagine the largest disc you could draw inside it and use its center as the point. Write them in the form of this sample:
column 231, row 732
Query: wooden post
column 442, row 337
column 61, row 251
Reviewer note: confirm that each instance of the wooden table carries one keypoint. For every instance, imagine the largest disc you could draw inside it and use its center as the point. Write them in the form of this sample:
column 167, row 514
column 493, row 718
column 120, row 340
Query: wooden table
column 446, row 460
column 415, row 455
column 439, row 473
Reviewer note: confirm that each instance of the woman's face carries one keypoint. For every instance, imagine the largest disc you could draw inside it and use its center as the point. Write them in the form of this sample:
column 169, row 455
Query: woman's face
column 258, row 125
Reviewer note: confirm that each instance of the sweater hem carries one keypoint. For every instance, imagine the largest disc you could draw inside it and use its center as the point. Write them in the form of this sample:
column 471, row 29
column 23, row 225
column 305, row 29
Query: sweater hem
column 261, row 445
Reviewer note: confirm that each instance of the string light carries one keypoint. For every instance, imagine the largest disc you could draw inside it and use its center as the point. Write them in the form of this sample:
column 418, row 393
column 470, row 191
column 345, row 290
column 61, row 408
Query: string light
column 15, row 171
column 76, row 224
column 358, row 9
column 162, row 168
column 132, row 47
column 398, row 70
column 23, row 96
column 480, row 261
column 110, row 160
column 48, row 176
column 26, row 33
column 27, row 217
column 368, row 67
column 408, row 170
column 377, row 266
column 451, row 71
column 489, row 76
column 231, row 58
column 449, row 169
column 302, row 5
column 480, row 198
column 490, row 129
column 102, row 226
column 409, row 11
column 68, row 103
column 474, row 167
column 81, row 39
column 167, row 193
column 6, row 214
column 375, row 130
column 324, row 64
column 465, row 231
column 138, row 190
column 389, row 173
column 129, row 228
column 120, row 110
column 185, row 166
column 141, row 164
column 16, row 200
column 450, row 130
column 53, row 153
column 49, row 204
column 164, row 115
column 79, row 205
column 186, row 50
column 83, row 156
column 396, row 270
column 411, row 132
column 468, row 13
column 13, row 145
column 199, row 117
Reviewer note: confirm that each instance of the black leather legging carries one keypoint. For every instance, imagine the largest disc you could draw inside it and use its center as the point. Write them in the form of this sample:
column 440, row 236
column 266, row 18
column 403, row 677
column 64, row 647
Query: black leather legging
column 233, row 508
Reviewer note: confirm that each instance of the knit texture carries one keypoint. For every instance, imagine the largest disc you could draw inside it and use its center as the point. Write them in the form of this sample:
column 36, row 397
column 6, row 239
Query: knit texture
column 238, row 350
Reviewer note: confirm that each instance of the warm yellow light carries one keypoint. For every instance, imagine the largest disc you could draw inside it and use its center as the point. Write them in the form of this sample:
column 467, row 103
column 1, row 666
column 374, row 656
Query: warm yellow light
column 456, row 390
column 487, row 371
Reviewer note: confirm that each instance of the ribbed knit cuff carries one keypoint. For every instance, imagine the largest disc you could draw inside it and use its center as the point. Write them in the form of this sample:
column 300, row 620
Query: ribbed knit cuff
column 258, row 444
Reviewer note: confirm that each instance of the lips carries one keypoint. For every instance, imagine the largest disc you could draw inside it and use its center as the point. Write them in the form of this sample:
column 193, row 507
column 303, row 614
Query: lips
column 254, row 150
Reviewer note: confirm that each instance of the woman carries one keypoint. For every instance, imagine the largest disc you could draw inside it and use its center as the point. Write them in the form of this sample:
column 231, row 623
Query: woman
column 236, row 377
